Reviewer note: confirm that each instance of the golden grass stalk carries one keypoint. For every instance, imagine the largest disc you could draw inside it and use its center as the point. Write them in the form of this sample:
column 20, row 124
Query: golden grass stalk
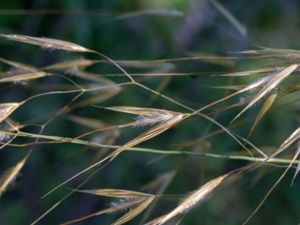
column 137, row 201
column 60, row 45
column 191, row 201
column 293, row 137
column 9, row 175
column 6, row 109
column 94, row 77
column 116, row 193
column 71, row 64
column 20, row 66
column 150, row 133
column 146, row 116
column 247, row 72
column 21, row 76
column 47, row 42
column 139, row 110
column 273, row 83
column 114, row 208
column 58, row 139
column 135, row 211
column 266, row 106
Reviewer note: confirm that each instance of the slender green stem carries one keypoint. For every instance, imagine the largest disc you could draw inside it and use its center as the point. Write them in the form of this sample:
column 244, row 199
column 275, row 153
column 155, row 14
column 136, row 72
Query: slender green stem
column 211, row 155
column 149, row 150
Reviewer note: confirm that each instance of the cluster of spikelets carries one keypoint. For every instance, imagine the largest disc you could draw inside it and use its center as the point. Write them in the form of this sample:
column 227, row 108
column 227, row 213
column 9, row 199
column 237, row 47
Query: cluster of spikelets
column 159, row 121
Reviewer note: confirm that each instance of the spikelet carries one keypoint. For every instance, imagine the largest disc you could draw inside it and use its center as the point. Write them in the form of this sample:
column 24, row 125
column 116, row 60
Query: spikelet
column 270, row 85
column 266, row 106
column 7, row 108
column 71, row 65
column 47, row 42
column 9, row 176
column 152, row 119
column 20, row 66
column 146, row 116
column 191, row 201
column 116, row 193
column 17, row 76
column 258, row 83
column 137, row 201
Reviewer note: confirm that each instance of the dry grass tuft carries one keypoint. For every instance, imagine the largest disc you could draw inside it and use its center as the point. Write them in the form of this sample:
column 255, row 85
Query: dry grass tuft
column 93, row 88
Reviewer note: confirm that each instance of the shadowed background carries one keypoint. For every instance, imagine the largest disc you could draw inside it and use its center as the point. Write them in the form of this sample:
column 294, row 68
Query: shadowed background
column 146, row 30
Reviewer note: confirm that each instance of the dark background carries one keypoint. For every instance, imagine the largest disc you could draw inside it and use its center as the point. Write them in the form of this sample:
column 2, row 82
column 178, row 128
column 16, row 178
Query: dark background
column 107, row 27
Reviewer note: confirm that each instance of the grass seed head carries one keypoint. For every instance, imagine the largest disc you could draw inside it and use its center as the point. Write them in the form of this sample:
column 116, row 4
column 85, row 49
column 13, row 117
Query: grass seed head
column 6, row 109
column 48, row 43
